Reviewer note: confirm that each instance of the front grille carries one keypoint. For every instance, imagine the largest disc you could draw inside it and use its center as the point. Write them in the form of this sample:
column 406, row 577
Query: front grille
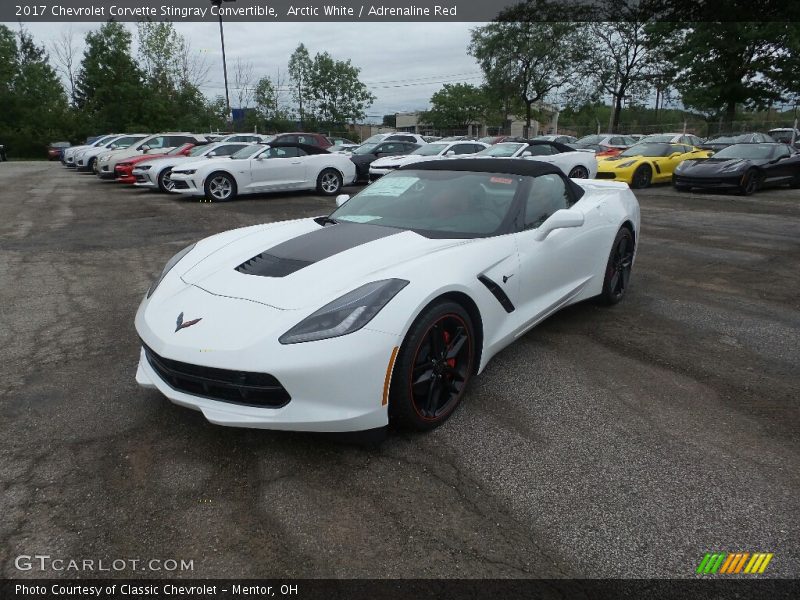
column 605, row 175
column 237, row 387
column 140, row 178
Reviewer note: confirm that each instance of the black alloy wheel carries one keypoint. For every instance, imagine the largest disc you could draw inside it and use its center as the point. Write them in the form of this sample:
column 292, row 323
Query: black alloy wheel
column 433, row 367
column 579, row 172
column 618, row 269
column 750, row 183
column 641, row 177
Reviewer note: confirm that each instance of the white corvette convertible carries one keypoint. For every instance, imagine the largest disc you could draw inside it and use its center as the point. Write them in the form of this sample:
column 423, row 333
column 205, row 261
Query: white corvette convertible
column 385, row 309
column 573, row 163
column 276, row 167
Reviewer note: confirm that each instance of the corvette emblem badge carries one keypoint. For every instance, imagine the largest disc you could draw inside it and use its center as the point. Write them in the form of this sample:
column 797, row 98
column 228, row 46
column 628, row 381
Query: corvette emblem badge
column 180, row 324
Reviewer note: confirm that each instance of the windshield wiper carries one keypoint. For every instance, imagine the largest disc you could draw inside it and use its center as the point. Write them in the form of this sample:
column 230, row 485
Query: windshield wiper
column 326, row 221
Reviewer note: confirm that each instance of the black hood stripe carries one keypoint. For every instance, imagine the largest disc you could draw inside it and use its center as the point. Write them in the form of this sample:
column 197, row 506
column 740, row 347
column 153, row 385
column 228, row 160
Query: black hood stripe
column 309, row 248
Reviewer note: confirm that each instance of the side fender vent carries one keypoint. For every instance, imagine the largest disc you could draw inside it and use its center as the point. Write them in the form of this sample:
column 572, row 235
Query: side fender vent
column 497, row 292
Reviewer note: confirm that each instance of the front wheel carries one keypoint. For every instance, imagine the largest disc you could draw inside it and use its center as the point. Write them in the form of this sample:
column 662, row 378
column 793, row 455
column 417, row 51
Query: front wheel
column 618, row 269
column 642, row 177
column 220, row 187
column 164, row 182
column 749, row 183
column 329, row 182
column 579, row 172
column 433, row 367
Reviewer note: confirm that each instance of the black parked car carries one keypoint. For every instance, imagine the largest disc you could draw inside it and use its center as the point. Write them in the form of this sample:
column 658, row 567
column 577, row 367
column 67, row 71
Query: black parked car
column 366, row 154
column 723, row 140
column 3, row 153
column 742, row 167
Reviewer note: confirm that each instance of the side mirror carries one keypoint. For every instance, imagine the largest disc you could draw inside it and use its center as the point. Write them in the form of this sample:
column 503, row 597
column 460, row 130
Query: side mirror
column 211, row 154
column 341, row 199
column 146, row 148
column 561, row 219
column 526, row 154
column 674, row 154
column 450, row 153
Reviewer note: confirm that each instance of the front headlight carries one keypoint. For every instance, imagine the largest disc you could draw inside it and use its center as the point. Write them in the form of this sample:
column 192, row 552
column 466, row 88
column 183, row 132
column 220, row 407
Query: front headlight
column 168, row 267
column 105, row 159
column 189, row 172
column 143, row 167
column 346, row 314
column 625, row 165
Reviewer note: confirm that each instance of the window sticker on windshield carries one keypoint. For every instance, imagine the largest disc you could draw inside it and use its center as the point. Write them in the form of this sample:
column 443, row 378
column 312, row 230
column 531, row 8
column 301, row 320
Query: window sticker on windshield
column 503, row 180
column 390, row 186
column 359, row 218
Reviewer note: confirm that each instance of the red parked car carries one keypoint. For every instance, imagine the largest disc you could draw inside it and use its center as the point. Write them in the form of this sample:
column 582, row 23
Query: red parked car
column 55, row 149
column 123, row 172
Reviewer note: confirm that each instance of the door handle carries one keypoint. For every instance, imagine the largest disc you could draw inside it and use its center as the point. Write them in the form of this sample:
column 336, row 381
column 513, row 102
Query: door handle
column 296, row 162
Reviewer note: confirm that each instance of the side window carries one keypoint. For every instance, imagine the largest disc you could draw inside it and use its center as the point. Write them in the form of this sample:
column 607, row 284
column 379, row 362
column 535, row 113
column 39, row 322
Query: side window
column 783, row 152
column 156, row 142
column 226, row 150
column 462, row 148
column 289, row 138
column 548, row 194
column 539, row 150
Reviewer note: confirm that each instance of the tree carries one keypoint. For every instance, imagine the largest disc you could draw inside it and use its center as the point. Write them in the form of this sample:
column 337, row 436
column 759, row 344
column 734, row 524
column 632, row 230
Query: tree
column 338, row 94
column 300, row 67
column 618, row 61
column 108, row 88
column 533, row 59
column 65, row 52
column 455, row 107
column 390, row 121
column 720, row 66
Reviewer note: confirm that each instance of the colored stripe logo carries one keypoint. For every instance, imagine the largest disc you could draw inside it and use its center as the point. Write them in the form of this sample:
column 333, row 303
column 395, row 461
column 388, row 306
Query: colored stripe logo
column 734, row 563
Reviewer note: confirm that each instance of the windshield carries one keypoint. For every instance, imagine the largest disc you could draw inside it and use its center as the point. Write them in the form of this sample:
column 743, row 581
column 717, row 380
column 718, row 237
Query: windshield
column 365, row 148
column 645, row 149
column 125, row 142
column 177, row 150
column 730, row 139
column 378, row 137
column 747, row 151
column 247, row 151
column 501, row 150
column 657, row 137
column 200, row 150
column 454, row 204
column 430, row 150
column 590, row 140
column 103, row 140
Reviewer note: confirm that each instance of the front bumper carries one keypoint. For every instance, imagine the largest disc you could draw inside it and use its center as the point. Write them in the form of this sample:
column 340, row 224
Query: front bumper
column 723, row 182
column 104, row 171
column 142, row 179
column 186, row 185
column 335, row 385
column 625, row 175
column 124, row 174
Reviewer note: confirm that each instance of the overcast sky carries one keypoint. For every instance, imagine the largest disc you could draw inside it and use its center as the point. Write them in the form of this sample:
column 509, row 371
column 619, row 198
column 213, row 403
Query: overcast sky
column 403, row 64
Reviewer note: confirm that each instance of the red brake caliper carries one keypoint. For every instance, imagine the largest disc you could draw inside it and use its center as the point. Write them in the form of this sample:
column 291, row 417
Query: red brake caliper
column 450, row 361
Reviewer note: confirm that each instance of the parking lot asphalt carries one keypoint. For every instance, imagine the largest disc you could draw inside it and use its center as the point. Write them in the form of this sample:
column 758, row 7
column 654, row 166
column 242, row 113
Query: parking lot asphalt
column 608, row 442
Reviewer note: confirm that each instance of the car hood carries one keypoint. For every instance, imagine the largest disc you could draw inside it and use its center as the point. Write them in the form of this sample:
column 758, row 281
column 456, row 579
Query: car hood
column 301, row 264
column 613, row 161
column 195, row 162
column 716, row 165
column 161, row 161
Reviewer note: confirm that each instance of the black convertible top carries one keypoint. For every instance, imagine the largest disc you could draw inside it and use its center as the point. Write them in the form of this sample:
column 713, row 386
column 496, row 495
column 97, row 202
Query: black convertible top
column 511, row 166
column 308, row 148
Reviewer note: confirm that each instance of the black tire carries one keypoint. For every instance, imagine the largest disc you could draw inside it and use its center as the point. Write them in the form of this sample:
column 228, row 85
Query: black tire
column 329, row 182
column 163, row 180
column 579, row 172
column 642, row 177
column 90, row 165
column 445, row 330
column 618, row 268
column 795, row 182
column 216, row 185
column 750, row 183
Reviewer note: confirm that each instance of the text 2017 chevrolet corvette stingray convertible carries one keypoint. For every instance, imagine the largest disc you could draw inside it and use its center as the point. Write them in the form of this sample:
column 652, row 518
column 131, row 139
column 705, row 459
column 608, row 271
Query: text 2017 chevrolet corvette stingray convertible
column 382, row 311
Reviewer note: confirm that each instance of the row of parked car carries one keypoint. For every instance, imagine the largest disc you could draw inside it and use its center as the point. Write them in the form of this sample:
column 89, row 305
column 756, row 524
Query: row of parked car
column 219, row 168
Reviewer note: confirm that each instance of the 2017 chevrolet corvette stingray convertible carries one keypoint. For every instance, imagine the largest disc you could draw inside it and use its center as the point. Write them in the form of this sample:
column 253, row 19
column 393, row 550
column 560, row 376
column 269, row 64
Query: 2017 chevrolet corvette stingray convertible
column 385, row 309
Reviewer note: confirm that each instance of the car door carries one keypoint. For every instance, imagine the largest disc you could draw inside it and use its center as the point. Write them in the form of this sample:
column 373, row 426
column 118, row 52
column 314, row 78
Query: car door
column 555, row 269
column 780, row 168
column 277, row 168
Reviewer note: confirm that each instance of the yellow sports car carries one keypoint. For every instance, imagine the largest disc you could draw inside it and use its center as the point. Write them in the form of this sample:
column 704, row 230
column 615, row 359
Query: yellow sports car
column 646, row 163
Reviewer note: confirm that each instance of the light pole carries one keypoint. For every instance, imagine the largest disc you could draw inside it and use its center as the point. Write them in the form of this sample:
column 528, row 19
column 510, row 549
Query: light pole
column 217, row 3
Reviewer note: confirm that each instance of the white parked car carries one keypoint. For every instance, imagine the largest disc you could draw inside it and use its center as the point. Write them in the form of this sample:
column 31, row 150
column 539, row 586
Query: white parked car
column 254, row 138
column 396, row 136
column 385, row 310
column 155, row 173
column 265, row 168
column 432, row 151
column 672, row 138
column 159, row 143
column 575, row 164
column 85, row 160
column 68, row 157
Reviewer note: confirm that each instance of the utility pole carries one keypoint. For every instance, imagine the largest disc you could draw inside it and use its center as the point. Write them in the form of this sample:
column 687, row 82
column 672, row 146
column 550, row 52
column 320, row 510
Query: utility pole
column 228, row 113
